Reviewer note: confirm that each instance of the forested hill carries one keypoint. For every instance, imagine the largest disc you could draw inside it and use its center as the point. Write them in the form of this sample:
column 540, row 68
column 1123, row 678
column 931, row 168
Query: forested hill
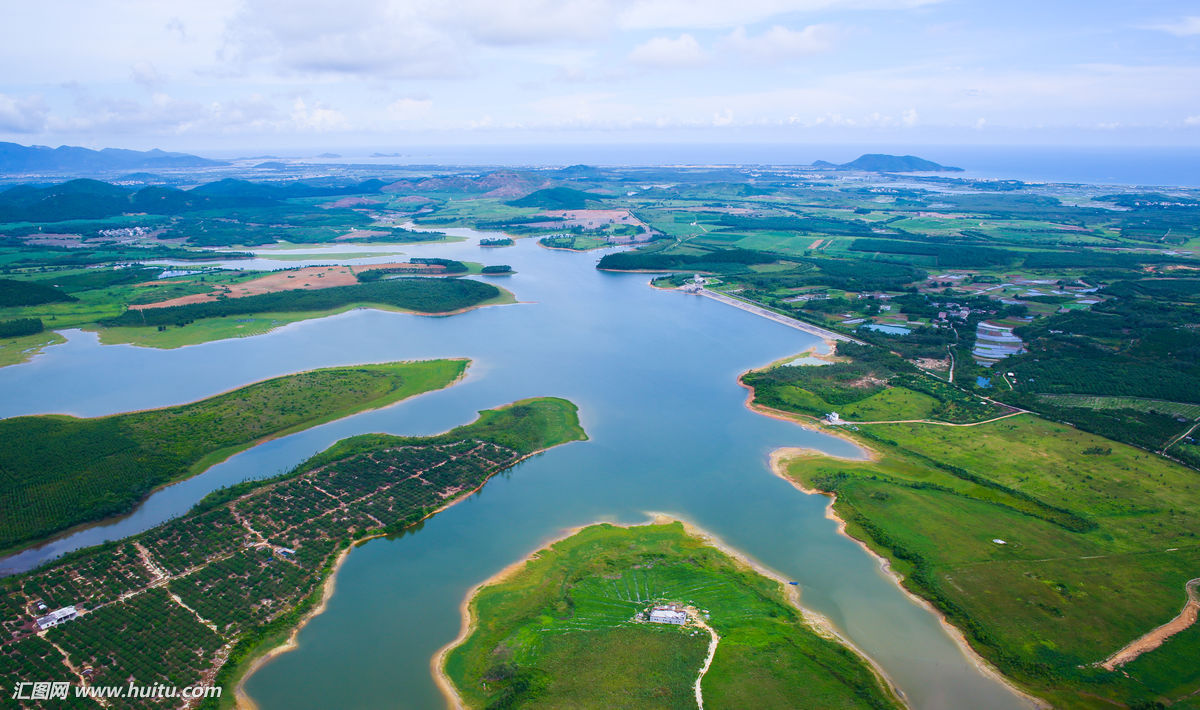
column 883, row 163
column 93, row 199
column 16, row 158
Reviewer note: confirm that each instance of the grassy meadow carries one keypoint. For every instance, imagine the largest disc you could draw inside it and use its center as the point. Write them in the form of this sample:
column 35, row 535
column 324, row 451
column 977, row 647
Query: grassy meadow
column 1098, row 540
column 559, row 631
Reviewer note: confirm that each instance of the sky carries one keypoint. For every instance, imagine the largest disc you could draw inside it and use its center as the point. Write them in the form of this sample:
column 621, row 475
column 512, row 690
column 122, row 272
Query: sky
column 238, row 75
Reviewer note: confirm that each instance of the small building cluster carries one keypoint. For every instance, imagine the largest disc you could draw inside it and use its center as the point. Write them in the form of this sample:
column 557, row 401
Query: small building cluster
column 695, row 285
column 670, row 614
column 56, row 617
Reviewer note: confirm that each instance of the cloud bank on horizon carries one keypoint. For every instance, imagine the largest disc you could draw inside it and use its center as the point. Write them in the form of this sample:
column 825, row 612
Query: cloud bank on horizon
column 283, row 73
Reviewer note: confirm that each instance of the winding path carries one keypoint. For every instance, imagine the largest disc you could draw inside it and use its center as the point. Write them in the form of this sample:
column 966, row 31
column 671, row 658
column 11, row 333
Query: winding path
column 712, row 651
column 1155, row 638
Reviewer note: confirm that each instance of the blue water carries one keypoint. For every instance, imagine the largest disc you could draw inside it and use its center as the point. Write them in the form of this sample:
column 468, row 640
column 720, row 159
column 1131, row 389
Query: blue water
column 888, row 329
column 1100, row 165
column 654, row 375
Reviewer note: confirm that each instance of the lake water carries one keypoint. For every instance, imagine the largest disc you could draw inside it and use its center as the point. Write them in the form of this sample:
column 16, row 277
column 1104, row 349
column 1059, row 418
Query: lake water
column 654, row 375
column 888, row 329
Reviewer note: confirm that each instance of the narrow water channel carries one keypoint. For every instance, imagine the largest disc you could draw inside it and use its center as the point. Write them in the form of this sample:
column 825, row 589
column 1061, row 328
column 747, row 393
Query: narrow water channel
column 654, row 374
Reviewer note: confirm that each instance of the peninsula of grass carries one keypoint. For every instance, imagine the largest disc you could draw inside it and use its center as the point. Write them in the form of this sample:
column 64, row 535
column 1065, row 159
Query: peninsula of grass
column 562, row 630
column 61, row 471
column 868, row 383
column 207, row 597
column 1049, row 547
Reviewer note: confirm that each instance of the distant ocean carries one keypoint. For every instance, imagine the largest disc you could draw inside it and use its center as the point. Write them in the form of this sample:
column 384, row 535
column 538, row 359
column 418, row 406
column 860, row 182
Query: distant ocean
column 1155, row 166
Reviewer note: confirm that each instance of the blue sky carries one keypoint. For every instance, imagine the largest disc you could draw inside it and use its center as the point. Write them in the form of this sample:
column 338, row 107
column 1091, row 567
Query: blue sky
column 225, row 75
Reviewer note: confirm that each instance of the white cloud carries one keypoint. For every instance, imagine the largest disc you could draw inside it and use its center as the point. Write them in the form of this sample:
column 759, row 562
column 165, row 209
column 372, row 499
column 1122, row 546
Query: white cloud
column 526, row 21
column 1192, row 120
column 662, row 14
column 377, row 39
column 1185, row 27
column 665, row 52
column 319, row 118
column 144, row 74
column 22, row 115
column 779, row 42
column 409, row 109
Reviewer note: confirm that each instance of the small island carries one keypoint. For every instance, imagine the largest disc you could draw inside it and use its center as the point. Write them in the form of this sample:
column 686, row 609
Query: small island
column 649, row 616
column 497, row 242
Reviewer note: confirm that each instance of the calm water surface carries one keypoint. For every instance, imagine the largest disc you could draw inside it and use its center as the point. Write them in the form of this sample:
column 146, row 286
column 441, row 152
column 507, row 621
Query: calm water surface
column 653, row 373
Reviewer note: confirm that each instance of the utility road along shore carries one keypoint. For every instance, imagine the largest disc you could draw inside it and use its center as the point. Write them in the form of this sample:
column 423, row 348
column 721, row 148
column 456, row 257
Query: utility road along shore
column 778, row 318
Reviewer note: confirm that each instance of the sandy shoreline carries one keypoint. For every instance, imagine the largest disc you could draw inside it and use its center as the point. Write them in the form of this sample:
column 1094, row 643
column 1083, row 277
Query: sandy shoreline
column 778, row 460
column 818, row 622
column 801, row 420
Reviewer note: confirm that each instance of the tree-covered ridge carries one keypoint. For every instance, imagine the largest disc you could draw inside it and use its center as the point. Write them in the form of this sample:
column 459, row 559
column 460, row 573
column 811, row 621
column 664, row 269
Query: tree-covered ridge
column 61, row 471
column 14, row 292
column 414, row 294
column 200, row 595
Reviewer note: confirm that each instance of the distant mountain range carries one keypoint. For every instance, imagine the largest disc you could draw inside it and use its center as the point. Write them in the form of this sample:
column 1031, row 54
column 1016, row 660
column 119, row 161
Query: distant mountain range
column 15, row 158
column 92, row 199
column 882, row 163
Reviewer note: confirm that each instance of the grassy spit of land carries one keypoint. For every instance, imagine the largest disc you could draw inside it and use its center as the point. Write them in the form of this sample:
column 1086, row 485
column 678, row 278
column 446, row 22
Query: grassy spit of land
column 62, row 471
column 200, row 599
column 1049, row 547
column 562, row 630
column 132, row 306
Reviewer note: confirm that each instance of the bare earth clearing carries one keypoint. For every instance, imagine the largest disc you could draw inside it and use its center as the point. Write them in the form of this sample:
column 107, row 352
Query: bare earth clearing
column 1155, row 638
column 307, row 278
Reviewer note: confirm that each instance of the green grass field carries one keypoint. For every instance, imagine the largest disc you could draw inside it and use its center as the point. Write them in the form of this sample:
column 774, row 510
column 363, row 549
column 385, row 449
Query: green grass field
column 560, row 632
column 1099, row 539
column 61, row 471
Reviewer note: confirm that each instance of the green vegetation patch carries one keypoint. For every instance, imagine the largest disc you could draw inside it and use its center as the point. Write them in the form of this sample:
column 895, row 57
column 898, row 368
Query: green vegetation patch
column 204, row 594
column 1050, row 547
column 59, row 471
column 562, row 632
column 872, row 385
column 29, row 293
column 415, row 294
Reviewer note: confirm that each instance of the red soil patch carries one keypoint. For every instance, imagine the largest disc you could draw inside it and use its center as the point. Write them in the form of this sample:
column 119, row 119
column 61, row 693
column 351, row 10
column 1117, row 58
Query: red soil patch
column 307, row 278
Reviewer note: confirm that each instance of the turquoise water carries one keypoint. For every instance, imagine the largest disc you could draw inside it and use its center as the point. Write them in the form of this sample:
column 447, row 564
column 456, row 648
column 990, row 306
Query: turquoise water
column 654, row 375
column 888, row 329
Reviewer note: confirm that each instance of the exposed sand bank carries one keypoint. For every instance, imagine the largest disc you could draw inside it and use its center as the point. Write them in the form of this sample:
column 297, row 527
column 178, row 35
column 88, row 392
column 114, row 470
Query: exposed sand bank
column 778, row 461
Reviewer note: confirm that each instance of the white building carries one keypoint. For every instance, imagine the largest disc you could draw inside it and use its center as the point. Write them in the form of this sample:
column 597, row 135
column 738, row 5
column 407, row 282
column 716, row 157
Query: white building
column 57, row 617
column 668, row 615
column 833, row 418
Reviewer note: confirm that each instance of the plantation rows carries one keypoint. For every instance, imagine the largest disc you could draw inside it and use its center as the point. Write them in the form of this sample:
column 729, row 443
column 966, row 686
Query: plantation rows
column 99, row 577
column 219, row 568
column 246, row 589
column 32, row 660
column 148, row 638
column 186, row 542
